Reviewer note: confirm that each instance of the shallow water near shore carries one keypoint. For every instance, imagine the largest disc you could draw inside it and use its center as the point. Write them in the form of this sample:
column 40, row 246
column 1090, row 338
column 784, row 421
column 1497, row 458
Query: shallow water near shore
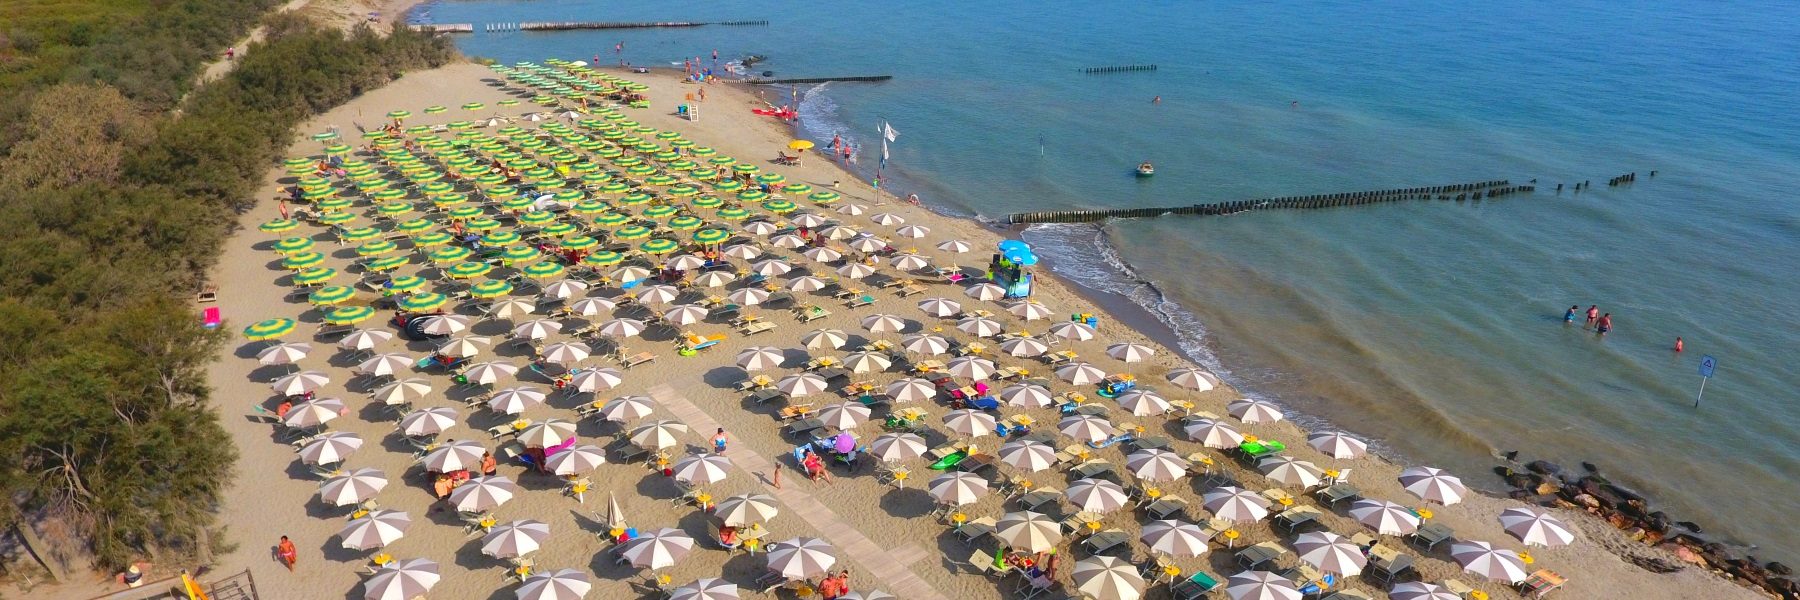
column 1432, row 327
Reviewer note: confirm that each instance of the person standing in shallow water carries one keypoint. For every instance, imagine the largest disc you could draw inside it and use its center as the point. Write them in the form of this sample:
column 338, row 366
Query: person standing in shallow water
column 1605, row 324
column 1593, row 314
column 1569, row 315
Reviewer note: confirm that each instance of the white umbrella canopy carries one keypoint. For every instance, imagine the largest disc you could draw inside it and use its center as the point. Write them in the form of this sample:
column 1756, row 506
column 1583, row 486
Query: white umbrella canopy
column 621, row 328
column 567, row 353
column 1129, row 352
column 888, row 219
column 1193, row 379
column 765, row 228
column 481, row 494
column 805, row 283
column 515, row 400
column 883, row 323
column 1337, row 444
column 925, row 344
column 957, row 489
column 1028, row 531
column 1024, row 347
column 405, row 391
column 839, row 232
column 658, row 294
column 1213, row 434
column 576, row 460
column 771, row 267
column 710, row 588
column 1027, row 395
column 547, row 433
column 801, row 558
column 913, row 231
column 985, row 291
column 822, row 254
column 1086, row 428
column 465, row 347
column 285, row 353
column 702, row 469
column 911, row 389
column 589, row 307
column 909, row 262
column 565, row 289
column 1433, row 485
column 809, row 220
column 1175, row 538
column 330, row 448
column 1482, row 558
column 1029, row 310
column 868, row 243
column 1535, row 527
column 1027, row 456
column 1416, row 590
column 461, row 455
column 894, row 447
column 428, row 421
column 513, row 539
column 446, row 324
column 658, row 549
column 353, row 487
column 970, row 423
column 1070, row 330
column 509, row 308
column 297, row 384
column 314, row 413
column 1080, row 374
column 1254, row 411
column 802, row 384
column 685, row 314
column 489, row 373
column 972, row 367
column 713, row 279
column 1097, row 495
column 1384, row 517
column 595, row 380
column 980, row 326
column 629, row 273
column 867, row 362
column 940, row 307
column 1331, row 553
column 537, row 329
column 1143, row 403
column 852, row 210
column 684, row 262
column 401, row 580
column 627, row 408
column 748, row 296
column 562, row 584
column 743, row 251
column 1290, row 471
column 1260, row 585
column 658, row 435
column 1107, row 578
column 955, row 246
column 744, row 509
column 757, row 358
column 787, row 240
column 365, row 339
column 1236, row 504
column 844, row 416
column 824, row 338
column 374, row 530
column 1156, row 465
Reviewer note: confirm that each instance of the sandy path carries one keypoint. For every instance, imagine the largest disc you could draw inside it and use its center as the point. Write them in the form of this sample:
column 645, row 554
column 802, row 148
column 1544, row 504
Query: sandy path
column 218, row 68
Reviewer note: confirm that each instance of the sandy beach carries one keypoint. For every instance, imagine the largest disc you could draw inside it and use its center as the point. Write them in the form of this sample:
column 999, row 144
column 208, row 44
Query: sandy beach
column 883, row 534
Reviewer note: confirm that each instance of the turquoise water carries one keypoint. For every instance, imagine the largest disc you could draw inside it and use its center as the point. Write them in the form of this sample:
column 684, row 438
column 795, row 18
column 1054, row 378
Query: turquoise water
column 1432, row 327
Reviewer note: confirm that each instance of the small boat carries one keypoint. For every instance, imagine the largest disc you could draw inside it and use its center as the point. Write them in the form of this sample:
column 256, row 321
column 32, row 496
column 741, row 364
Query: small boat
column 1146, row 169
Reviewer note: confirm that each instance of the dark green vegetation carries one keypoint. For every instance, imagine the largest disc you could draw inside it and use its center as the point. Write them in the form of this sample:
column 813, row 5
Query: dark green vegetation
column 113, row 204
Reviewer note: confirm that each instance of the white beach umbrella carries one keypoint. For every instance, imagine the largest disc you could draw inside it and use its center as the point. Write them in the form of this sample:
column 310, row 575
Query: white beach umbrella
column 565, row 289
column 590, row 307
column 1070, row 330
column 1129, row 352
column 658, row 294
column 955, row 246
column 629, row 273
column 1156, row 465
column 925, row 344
column 1107, row 578
column 374, row 530
column 1337, row 444
column 1029, row 311
column 1143, row 403
column 787, row 240
column 464, row 347
column 1384, row 517
column 940, row 307
column 743, row 251
column 757, row 358
column 480, row 494
column 547, row 433
column 824, row 338
column 1331, row 553
column 515, row 400
column 446, row 324
column 911, row 389
column 594, row 380
column 627, row 408
column 1260, row 585
column 970, row 423
column 296, row 384
column 461, row 455
column 1433, row 485
column 1416, row 590
column 892, row 447
column 713, row 279
column 353, row 487
column 1236, row 504
column 428, row 421
column 913, row 231
column 658, row 435
column 1080, row 373
column 766, row 228
column 561, row 584
column 489, row 373
column 801, row 558
column 909, row 262
column 749, row 296
column 684, row 262
column 1254, row 411
column 802, row 384
column 1482, row 558
column 1175, row 538
column 1213, row 434
column 972, row 367
column 702, row 469
column 365, row 339
column 1024, row 347
column 1290, row 471
column 853, row 210
column 805, row 283
column 771, row 267
column 883, row 323
column 513, row 539
column 867, row 362
column 621, row 328
column 839, row 232
column 888, row 219
column 330, row 448
column 567, row 353
column 509, row 308
column 314, row 413
column 844, row 416
column 809, row 220
column 980, row 326
column 401, row 580
column 1027, row 395
column 285, row 353
column 1536, row 527
column 985, row 291
column 405, row 391
column 711, row 588
column 822, row 254
column 957, row 489
column 1027, row 456
column 1097, row 495
column 685, row 314
column 744, row 509
column 868, row 243
column 1193, row 378
column 658, row 549
column 1086, row 428
column 1028, row 531
column 576, row 460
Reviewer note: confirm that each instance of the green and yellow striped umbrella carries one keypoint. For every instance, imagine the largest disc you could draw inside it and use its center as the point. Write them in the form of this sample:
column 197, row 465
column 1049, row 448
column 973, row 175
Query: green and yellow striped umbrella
column 611, row 219
column 435, row 109
column 303, row 259
column 376, row 248
column 770, row 178
column 317, row 194
column 682, row 165
column 394, row 208
column 588, row 207
column 666, row 135
column 298, row 161
column 348, row 315
column 685, row 223
column 338, row 149
column 418, row 130
column 559, row 229
column 629, row 161
column 329, row 204
column 509, row 102
column 569, row 196
column 824, row 197
column 303, row 169
column 660, row 212
column 778, row 206
column 659, row 246
column 640, row 170
column 745, row 168
column 459, row 125
column 711, row 236
column 313, row 182
column 537, row 218
column 616, row 187
column 596, row 178
column 358, row 234
column 336, row 218
column 681, row 143
column 635, row 198
column 521, row 163
column 279, row 225
column 729, row 185
column 580, row 242
column 406, row 284
column 797, row 189
column 684, row 190
column 314, row 275
column 468, row 270
column 449, row 254
column 414, row 226
column 501, row 192
column 490, row 180
column 720, row 161
column 752, row 196
column 610, row 152
column 385, row 263
column 399, row 114
column 518, row 254
column 431, row 239
column 462, row 213
column 269, row 329
column 509, row 130
column 585, row 167
column 666, row 155
column 292, row 245
column 552, row 184
column 603, row 258
column 473, row 106
column 704, row 151
column 436, row 187
column 706, row 202
column 482, row 224
column 659, row 179
column 423, row 302
column 490, row 289
column 500, row 238
column 539, row 173
column 517, row 203
column 733, row 213
column 543, row 269
column 327, row 296
column 632, row 232
column 643, row 129
column 531, row 144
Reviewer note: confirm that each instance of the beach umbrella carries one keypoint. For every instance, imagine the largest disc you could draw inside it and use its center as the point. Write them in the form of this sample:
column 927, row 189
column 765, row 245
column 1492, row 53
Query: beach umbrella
column 713, row 279
column 428, row 421
column 926, row 344
column 1086, row 428
column 313, row 276
column 867, row 362
column 786, row 240
column 972, row 367
column 844, row 416
column 279, row 226
column 658, row 435
column 855, row 271
column 565, row 289
column 547, row 433
column 1107, row 578
column 330, row 448
column 745, row 509
column 883, row 323
column 511, row 307
column 515, row 400
column 1143, row 403
column 418, row 303
column 1070, row 330
column 808, row 220
column 824, row 338
column 702, row 469
column 401, row 392
column 385, row 365
column 940, row 307
column 1028, row 531
column 970, row 423
column 576, row 460
column 955, row 246
column 957, row 489
column 1384, row 517
column 401, row 580
column 284, row 353
column 1024, row 347
column 562, row 584
column 350, row 315
column 757, row 358
column 1254, row 411
column 566, row 353
column 1416, row 590
column 630, row 273
column 621, row 328
column 892, row 447
column 589, row 307
column 1080, row 374
column 822, row 254
column 910, row 389
column 1260, row 585
column 909, row 262
column 327, row 296
column 658, row 549
column 454, row 456
column 887, row 219
column 1336, row 444
column 481, row 494
column 1433, row 485
column 1030, row 311
column 801, row 558
column 1129, row 352
column 1536, row 527
column 743, row 252
column 313, row 413
column 302, row 260
column 1175, row 538
column 1482, row 558
column 354, row 487
column 1097, row 495
column 1235, row 504
column 536, row 329
column 985, row 291
column 627, row 408
column 1290, row 471
column 1027, row 456
column 464, row 347
column 514, row 539
column 1156, row 465
column 1331, row 553
column 365, row 339
column 802, row 384
column 296, row 384
column 980, row 326
column 1213, row 434
column 913, row 231
column 711, row 588
column 658, row 294
column 775, row 267
column 685, row 262
column 868, row 243
column 269, row 329
column 374, row 530
column 1026, row 395
column 748, row 296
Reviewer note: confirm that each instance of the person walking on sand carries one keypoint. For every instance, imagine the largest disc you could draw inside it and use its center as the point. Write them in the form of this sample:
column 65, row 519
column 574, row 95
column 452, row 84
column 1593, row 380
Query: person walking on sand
column 1593, row 314
column 718, row 441
column 1605, row 324
column 1569, row 315
column 287, row 553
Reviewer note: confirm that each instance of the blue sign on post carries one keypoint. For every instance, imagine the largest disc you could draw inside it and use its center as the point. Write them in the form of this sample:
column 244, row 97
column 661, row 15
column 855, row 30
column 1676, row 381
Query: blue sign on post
column 1707, row 364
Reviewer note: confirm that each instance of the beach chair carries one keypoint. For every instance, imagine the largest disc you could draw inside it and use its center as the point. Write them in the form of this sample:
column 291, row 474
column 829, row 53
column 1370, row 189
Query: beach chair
column 894, row 474
column 755, row 327
column 1035, row 586
column 636, row 359
column 208, row 293
column 982, row 561
column 1194, row 587
column 810, row 312
column 1541, row 583
column 972, row 531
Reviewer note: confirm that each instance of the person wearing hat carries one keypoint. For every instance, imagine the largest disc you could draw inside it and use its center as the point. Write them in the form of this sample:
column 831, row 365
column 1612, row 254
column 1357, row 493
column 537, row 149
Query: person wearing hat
column 134, row 575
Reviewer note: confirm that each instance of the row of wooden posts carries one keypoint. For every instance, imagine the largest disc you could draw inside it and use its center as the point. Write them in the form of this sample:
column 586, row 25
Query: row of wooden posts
column 1462, row 191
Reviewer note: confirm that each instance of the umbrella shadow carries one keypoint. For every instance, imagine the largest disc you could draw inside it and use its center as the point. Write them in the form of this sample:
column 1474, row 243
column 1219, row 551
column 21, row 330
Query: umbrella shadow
column 722, row 377
column 906, row 503
column 469, row 556
column 654, row 485
column 333, row 550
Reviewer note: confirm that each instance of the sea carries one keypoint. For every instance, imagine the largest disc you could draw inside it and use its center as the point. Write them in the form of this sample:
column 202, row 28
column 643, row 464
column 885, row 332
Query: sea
column 1432, row 328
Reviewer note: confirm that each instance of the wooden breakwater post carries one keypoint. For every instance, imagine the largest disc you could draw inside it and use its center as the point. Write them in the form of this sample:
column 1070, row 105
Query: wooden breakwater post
column 1458, row 192
column 443, row 27
column 1118, row 69
column 821, row 79
column 497, row 27
column 572, row 25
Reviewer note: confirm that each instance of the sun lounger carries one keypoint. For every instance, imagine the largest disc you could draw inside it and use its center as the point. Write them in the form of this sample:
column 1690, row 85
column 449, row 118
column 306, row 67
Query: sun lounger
column 755, row 327
column 846, row 293
column 909, row 289
column 810, row 312
column 636, row 359
column 973, row 531
column 1196, row 586
column 1430, row 535
column 1167, row 507
column 1260, row 555
column 1294, row 518
column 1541, row 583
